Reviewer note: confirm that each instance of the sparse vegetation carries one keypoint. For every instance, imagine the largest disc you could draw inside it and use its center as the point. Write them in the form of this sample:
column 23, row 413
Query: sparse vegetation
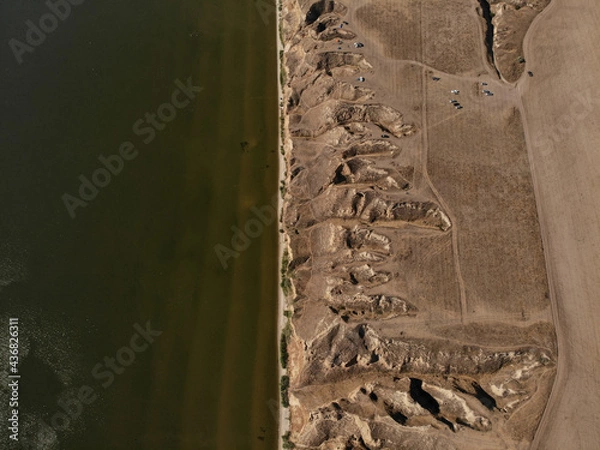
column 285, row 385
column 283, row 349
column 287, row 329
column 287, row 443
column 283, row 352
column 282, row 77
column 282, row 189
column 285, row 262
column 279, row 21
column 286, row 284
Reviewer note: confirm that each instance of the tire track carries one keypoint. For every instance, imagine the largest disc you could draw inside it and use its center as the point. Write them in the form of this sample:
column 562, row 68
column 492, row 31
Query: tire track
column 443, row 204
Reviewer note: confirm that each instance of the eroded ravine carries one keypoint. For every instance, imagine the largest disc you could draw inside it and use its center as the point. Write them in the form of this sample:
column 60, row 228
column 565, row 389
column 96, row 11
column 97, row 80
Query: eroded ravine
column 486, row 14
column 509, row 21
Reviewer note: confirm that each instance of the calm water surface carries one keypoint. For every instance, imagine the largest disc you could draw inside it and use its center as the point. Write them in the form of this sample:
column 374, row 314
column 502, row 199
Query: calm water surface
column 143, row 249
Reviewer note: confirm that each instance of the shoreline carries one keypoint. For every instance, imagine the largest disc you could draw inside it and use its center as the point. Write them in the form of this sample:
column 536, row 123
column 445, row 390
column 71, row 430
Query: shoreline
column 283, row 425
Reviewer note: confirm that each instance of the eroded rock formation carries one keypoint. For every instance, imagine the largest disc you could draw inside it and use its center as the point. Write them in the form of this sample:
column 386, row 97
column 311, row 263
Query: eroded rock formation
column 382, row 352
column 511, row 20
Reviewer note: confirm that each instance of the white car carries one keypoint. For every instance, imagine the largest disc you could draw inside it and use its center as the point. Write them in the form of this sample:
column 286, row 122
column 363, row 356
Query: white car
column 455, row 91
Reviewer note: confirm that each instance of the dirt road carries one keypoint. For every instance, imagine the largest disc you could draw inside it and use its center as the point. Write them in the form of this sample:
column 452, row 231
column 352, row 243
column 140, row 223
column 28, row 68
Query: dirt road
column 561, row 103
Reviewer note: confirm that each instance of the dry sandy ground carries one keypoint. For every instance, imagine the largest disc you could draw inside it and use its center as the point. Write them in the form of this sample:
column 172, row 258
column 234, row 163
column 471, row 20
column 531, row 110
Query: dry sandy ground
column 413, row 257
column 562, row 108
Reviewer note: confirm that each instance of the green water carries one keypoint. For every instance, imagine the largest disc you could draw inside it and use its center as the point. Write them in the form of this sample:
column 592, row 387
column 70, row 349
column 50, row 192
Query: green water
column 143, row 249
